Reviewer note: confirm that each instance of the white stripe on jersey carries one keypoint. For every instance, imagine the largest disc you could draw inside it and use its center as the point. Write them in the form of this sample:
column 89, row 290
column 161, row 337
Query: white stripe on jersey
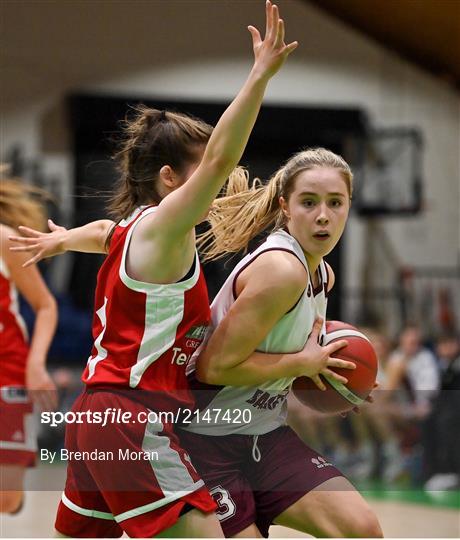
column 14, row 302
column 101, row 351
column 162, row 318
column 164, row 308
column 170, row 471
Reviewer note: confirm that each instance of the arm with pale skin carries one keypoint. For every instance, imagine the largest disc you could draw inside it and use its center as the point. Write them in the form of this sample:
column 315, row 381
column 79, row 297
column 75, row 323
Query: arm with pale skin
column 32, row 287
column 230, row 357
column 179, row 212
column 90, row 238
column 167, row 236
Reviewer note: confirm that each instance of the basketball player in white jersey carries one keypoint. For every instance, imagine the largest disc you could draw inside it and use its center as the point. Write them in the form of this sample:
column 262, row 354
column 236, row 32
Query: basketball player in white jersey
column 259, row 471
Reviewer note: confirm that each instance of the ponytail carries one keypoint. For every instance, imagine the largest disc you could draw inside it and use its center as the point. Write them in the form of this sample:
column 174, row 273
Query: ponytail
column 152, row 139
column 240, row 214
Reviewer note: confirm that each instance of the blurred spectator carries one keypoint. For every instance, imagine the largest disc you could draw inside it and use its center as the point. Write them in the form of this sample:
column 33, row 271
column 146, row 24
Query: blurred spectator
column 413, row 371
column 442, row 429
column 412, row 382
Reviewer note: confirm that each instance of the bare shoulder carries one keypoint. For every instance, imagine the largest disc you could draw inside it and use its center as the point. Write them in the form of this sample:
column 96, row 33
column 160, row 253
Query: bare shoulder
column 278, row 270
column 5, row 232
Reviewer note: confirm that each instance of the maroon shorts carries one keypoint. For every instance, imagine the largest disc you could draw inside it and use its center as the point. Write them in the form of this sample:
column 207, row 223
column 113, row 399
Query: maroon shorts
column 18, row 443
column 255, row 478
column 132, row 476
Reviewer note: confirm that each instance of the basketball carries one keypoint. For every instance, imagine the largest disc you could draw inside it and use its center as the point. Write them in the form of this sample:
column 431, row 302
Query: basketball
column 340, row 397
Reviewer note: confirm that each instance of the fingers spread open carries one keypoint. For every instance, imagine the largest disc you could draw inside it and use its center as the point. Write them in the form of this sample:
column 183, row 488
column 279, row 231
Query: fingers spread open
column 268, row 17
column 30, row 232
column 31, row 247
column 333, row 375
column 32, row 261
column 280, row 34
column 256, row 39
column 336, row 345
column 339, row 363
column 319, row 383
column 274, row 23
column 291, row 47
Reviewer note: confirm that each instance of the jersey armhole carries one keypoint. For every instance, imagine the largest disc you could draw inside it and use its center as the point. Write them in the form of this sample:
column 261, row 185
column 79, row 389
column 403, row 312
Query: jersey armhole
column 165, row 289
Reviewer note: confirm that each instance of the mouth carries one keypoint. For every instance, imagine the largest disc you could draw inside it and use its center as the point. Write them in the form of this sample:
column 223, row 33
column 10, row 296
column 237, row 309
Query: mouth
column 321, row 236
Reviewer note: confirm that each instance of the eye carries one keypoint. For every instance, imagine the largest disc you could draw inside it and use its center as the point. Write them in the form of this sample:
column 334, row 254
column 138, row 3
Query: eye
column 308, row 203
column 335, row 203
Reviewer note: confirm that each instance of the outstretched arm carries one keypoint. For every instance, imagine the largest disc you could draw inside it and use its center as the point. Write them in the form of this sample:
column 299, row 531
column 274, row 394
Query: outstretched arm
column 180, row 211
column 90, row 238
column 230, row 357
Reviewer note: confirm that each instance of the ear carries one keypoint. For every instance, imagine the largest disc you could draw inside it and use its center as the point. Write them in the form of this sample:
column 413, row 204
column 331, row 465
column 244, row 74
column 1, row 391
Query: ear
column 169, row 178
column 284, row 207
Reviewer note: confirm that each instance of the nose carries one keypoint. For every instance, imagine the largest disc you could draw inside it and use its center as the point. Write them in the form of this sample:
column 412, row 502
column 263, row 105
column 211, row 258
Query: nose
column 322, row 217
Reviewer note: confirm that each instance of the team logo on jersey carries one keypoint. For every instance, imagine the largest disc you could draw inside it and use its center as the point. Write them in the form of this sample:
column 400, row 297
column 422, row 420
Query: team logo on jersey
column 197, row 332
column 193, row 339
column 320, row 462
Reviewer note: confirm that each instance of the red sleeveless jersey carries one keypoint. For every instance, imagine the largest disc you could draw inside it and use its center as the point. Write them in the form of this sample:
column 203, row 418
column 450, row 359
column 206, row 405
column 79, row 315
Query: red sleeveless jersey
column 144, row 333
column 13, row 334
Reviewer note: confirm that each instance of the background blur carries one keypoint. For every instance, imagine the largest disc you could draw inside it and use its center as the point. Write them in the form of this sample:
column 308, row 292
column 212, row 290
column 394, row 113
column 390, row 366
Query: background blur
column 375, row 81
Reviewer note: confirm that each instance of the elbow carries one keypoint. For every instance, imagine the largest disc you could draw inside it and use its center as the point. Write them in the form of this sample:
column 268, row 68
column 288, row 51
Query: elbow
column 209, row 375
column 52, row 306
column 48, row 308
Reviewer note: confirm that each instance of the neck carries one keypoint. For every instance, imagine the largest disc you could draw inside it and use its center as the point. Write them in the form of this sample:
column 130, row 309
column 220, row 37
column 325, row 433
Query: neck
column 312, row 262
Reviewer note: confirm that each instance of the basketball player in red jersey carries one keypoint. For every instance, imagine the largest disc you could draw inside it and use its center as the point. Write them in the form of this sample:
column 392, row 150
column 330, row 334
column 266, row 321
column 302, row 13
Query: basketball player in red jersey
column 23, row 375
column 151, row 314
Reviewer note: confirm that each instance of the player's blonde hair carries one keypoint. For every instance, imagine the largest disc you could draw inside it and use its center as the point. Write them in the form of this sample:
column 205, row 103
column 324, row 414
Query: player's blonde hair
column 243, row 212
column 21, row 204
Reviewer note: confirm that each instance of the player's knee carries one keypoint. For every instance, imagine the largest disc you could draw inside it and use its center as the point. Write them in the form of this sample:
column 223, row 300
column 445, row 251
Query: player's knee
column 365, row 525
column 10, row 502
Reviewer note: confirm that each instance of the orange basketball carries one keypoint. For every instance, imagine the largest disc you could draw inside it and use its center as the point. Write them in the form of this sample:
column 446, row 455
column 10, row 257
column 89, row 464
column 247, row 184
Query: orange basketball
column 340, row 397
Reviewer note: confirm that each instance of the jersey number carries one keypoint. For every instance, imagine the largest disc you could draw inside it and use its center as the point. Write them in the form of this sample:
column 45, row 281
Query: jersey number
column 227, row 508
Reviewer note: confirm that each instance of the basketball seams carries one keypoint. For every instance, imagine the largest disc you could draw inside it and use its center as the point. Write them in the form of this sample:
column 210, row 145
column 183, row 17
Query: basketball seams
column 343, row 334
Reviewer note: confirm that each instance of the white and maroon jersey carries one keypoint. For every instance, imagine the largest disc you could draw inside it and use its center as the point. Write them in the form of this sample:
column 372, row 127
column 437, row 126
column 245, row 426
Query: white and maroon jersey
column 145, row 333
column 13, row 333
column 266, row 402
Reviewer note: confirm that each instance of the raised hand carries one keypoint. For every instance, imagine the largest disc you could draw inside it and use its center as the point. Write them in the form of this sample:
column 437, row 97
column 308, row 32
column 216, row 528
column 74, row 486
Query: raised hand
column 41, row 245
column 271, row 52
column 318, row 360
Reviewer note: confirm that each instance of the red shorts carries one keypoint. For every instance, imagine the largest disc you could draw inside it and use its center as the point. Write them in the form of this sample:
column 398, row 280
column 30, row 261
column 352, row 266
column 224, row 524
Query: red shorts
column 18, row 443
column 256, row 478
column 132, row 476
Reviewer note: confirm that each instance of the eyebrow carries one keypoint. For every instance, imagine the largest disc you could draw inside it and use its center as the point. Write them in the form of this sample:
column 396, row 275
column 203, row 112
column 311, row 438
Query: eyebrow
column 316, row 194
